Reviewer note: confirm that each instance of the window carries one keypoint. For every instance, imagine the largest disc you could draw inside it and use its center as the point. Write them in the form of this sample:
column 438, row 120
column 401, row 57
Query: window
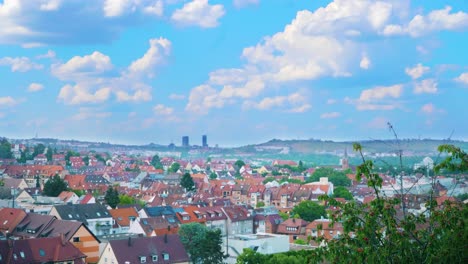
column 166, row 256
column 154, row 257
column 76, row 239
column 142, row 259
column 22, row 254
column 41, row 252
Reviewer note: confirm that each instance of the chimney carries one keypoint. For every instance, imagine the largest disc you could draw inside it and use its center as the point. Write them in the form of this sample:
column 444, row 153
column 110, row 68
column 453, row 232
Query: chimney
column 130, row 241
column 62, row 239
column 165, row 238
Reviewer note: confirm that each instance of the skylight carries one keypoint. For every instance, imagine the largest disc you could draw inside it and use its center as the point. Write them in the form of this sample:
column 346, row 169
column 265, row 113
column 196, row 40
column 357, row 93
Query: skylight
column 41, row 252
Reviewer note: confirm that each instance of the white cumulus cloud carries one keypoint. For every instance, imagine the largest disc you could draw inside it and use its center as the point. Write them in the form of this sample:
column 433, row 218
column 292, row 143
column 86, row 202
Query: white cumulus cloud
column 463, row 78
column 365, row 62
column 161, row 109
column 436, row 20
column 155, row 56
column 35, row 87
column 425, row 86
column 198, row 13
column 417, row 71
column 20, row 64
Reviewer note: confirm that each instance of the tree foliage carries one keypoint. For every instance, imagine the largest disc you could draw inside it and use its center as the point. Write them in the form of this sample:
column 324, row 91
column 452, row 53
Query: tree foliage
column 187, row 182
column 5, row 149
column 309, row 210
column 338, row 178
column 382, row 232
column 174, row 167
column 202, row 244
column 342, row 192
column 38, row 149
column 213, row 176
column 49, row 154
column 54, row 186
column 112, row 197
column 156, row 162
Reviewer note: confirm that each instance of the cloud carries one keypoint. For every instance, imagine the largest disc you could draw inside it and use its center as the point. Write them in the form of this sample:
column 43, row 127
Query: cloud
column 378, row 98
column 244, row 3
column 8, row 101
column 155, row 56
column 20, row 64
column 162, row 110
column 51, row 22
column 330, row 115
column 463, row 78
column 198, row 13
column 49, row 55
column 35, row 87
column 365, row 62
column 79, row 94
column 425, row 86
column 176, row 96
column 417, row 71
column 202, row 98
column 311, row 46
column 436, row 20
column 428, row 108
column 294, row 103
column 331, row 101
column 85, row 113
column 81, row 67
column 95, row 80
column 381, row 92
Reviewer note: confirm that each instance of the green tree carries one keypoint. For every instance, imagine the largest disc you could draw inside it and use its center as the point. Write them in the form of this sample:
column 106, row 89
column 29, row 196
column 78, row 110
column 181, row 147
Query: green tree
column 187, row 182
column 284, row 216
column 49, row 154
column 309, row 210
column 342, row 192
column 213, row 176
column 100, row 158
column 5, row 149
column 338, row 178
column 384, row 230
column 54, row 186
column 174, row 167
column 202, row 245
column 126, row 199
column 156, row 162
column 86, row 160
column 112, row 197
column 38, row 149
column 260, row 204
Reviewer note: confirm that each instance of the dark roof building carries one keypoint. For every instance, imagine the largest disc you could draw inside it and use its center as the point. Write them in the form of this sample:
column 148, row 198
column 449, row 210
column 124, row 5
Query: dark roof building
column 159, row 249
column 40, row 250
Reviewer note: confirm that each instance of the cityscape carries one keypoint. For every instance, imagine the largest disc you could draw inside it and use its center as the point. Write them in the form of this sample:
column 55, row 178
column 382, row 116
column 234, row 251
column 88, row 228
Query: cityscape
column 233, row 132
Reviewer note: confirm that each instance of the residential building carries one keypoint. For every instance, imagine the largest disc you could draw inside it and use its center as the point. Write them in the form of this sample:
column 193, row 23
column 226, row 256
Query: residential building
column 239, row 220
column 40, row 250
column 294, row 228
column 95, row 216
column 161, row 249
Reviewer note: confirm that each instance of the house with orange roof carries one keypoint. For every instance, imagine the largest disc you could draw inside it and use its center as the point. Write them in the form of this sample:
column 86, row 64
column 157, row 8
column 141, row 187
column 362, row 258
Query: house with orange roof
column 323, row 228
column 76, row 182
column 294, row 228
column 323, row 186
column 9, row 219
column 191, row 214
column 123, row 218
column 69, row 197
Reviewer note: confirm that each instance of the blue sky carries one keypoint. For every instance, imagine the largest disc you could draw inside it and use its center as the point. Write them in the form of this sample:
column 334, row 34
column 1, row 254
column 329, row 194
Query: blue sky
column 241, row 71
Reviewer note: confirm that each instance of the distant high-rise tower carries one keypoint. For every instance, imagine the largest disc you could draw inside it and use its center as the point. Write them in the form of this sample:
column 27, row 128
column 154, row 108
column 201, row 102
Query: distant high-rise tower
column 185, row 141
column 204, row 141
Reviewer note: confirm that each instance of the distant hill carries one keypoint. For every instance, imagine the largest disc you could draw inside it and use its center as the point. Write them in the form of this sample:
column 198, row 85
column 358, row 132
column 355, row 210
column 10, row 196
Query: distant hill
column 312, row 146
